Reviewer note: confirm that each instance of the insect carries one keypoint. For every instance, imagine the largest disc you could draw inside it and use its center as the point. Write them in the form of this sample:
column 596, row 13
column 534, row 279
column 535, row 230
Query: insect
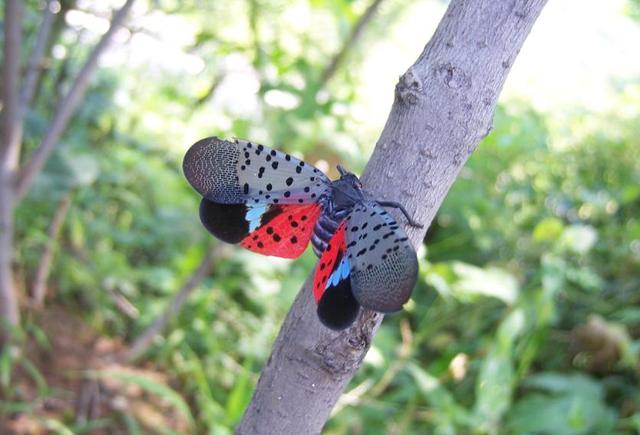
column 274, row 204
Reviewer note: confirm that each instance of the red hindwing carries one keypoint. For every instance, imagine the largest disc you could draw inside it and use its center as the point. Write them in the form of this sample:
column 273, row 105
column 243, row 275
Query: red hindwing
column 284, row 231
column 335, row 249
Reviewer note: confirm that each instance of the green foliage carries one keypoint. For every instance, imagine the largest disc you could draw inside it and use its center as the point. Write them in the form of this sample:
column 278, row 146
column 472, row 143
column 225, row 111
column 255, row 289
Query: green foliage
column 527, row 274
column 570, row 404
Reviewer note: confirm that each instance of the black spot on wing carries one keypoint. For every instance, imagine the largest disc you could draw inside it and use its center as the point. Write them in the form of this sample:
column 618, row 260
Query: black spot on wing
column 383, row 272
column 239, row 172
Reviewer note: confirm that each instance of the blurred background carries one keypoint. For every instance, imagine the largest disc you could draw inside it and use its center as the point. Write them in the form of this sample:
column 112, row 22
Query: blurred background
column 526, row 316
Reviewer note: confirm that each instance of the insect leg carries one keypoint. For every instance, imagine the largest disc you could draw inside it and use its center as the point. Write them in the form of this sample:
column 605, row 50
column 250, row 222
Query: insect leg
column 399, row 206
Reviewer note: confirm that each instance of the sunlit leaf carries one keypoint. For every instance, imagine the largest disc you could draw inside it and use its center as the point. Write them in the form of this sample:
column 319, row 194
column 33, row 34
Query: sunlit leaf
column 57, row 427
column 548, row 229
column 579, row 238
column 493, row 282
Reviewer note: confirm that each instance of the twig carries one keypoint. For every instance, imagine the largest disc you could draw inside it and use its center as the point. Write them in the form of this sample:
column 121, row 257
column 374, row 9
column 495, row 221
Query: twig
column 34, row 67
column 357, row 30
column 255, row 33
column 141, row 344
column 68, row 105
column 39, row 288
column 123, row 304
column 215, row 83
column 87, row 406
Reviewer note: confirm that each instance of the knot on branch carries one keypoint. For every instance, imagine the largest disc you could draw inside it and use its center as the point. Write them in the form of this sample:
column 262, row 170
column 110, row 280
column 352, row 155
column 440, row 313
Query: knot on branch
column 453, row 77
column 343, row 353
column 409, row 87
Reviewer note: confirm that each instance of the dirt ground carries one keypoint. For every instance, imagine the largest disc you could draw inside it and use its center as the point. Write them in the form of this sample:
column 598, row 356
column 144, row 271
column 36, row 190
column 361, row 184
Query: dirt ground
column 54, row 385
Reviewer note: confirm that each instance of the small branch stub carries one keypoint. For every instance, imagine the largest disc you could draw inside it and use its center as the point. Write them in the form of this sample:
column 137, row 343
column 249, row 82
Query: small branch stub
column 409, row 87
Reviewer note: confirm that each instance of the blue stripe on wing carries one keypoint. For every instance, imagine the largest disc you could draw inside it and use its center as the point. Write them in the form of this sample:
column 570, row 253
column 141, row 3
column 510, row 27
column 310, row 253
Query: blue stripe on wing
column 340, row 273
column 254, row 215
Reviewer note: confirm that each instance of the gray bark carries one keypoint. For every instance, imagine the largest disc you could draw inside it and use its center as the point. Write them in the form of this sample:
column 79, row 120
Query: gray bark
column 9, row 151
column 443, row 108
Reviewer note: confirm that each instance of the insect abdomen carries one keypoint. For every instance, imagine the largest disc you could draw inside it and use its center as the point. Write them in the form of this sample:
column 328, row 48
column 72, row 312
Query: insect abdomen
column 325, row 227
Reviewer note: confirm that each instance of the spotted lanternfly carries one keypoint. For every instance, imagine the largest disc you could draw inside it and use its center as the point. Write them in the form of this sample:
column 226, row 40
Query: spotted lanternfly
column 273, row 203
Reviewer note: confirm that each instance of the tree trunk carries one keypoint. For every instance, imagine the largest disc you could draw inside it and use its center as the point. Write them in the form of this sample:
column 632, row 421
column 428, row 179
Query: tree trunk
column 9, row 152
column 443, row 108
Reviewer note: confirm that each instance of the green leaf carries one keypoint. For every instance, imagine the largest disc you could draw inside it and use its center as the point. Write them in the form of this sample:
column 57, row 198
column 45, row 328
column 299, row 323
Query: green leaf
column 57, row 427
column 6, row 366
column 133, row 428
column 92, row 426
column 16, row 407
column 34, row 373
column 447, row 412
column 574, row 405
column 548, row 229
column 494, row 388
column 83, row 169
column 239, row 396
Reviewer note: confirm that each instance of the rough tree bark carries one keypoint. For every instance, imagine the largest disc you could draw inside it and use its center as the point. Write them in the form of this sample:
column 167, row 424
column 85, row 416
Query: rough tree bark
column 443, row 108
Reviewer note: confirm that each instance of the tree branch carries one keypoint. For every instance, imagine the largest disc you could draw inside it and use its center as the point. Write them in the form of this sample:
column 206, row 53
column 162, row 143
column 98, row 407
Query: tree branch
column 34, row 67
column 68, row 105
column 443, row 108
column 356, row 32
column 141, row 344
column 11, row 127
column 39, row 289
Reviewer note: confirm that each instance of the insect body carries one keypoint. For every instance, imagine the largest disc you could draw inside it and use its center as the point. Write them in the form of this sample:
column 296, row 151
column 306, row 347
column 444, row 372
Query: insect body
column 274, row 204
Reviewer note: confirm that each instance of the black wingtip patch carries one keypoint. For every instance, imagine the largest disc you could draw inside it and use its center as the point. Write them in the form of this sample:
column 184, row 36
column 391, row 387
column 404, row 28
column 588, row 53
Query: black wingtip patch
column 338, row 309
column 225, row 221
